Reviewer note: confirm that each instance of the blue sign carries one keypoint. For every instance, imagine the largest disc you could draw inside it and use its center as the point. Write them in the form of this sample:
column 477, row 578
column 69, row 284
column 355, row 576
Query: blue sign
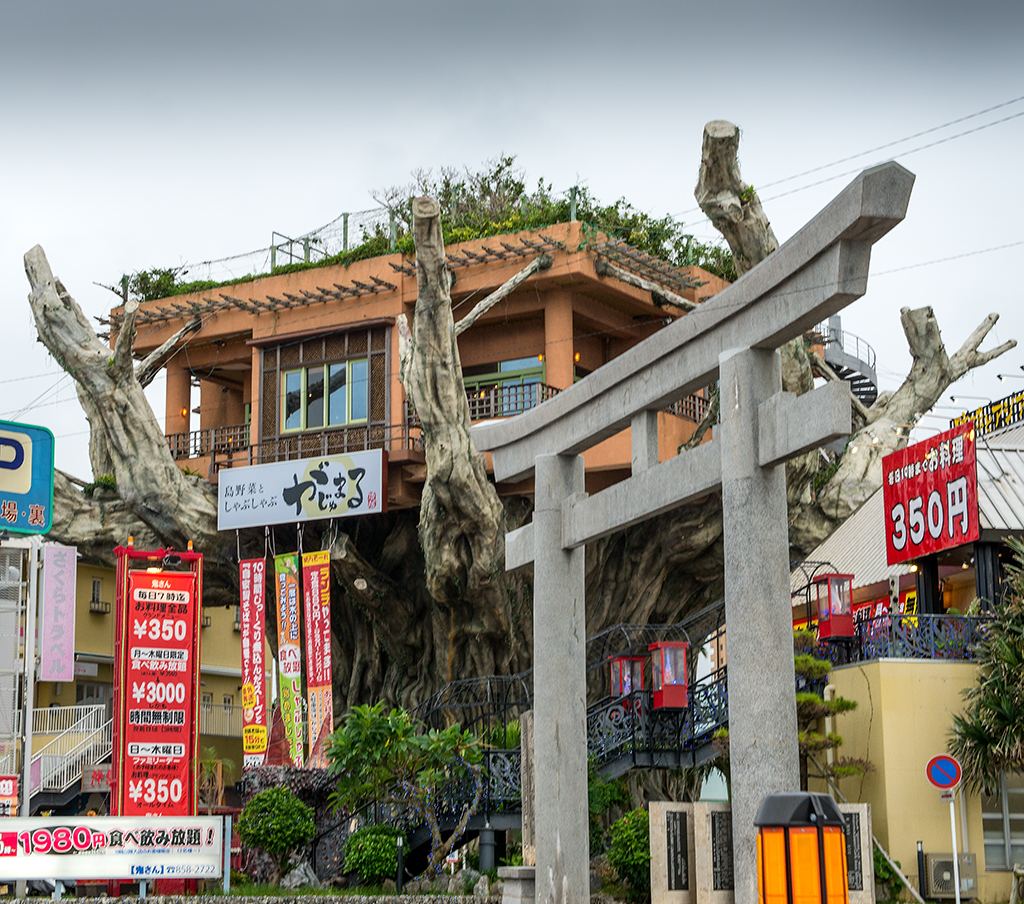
column 26, row 478
column 944, row 772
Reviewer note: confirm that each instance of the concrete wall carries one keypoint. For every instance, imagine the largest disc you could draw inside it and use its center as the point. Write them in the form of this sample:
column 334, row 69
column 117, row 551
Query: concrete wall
column 902, row 720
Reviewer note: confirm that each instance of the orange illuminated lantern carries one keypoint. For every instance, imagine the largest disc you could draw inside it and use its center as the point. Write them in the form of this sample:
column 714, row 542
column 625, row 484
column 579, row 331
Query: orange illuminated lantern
column 801, row 850
column 834, row 594
column 627, row 675
column 668, row 673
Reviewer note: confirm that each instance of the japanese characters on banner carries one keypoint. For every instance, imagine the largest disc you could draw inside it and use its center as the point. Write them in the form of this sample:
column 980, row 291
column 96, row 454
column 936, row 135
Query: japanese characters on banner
column 252, row 574
column 995, row 415
column 931, row 495
column 316, row 579
column 8, row 795
column 111, row 847
column 57, row 614
column 288, row 492
column 289, row 652
column 159, row 662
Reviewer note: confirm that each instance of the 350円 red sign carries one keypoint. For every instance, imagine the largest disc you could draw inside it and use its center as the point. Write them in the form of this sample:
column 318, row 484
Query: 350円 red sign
column 931, row 495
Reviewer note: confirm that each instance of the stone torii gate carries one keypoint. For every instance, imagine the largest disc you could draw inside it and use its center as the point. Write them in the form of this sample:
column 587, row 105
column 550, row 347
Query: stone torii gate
column 734, row 337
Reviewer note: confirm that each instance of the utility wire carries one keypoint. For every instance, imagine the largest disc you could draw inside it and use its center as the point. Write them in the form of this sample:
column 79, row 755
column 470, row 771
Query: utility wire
column 897, row 156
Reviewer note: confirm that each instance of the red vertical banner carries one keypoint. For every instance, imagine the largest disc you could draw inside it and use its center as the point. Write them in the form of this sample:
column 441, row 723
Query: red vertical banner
column 316, row 580
column 157, row 714
column 289, row 652
column 252, row 586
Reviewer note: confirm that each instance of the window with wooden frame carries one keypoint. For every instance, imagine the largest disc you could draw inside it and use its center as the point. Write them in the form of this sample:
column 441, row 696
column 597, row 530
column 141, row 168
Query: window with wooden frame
column 325, row 394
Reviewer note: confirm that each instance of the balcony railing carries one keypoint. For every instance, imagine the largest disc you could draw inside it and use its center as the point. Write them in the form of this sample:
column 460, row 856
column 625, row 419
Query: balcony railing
column 846, row 342
column 691, row 407
column 199, row 443
column 229, row 446
column 221, row 720
column 911, row 637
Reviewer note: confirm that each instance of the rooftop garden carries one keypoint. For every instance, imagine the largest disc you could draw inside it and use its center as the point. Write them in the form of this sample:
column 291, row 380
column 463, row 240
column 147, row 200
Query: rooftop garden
column 474, row 205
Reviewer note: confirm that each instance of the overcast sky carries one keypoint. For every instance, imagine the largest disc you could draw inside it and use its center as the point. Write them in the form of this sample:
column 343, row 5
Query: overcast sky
column 139, row 134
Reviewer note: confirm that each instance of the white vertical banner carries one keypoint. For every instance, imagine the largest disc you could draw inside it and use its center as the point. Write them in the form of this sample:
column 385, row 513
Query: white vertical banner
column 57, row 614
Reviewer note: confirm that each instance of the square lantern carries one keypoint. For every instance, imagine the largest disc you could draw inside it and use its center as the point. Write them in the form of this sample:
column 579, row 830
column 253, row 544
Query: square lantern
column 801, row 850
column 834, row 594
column 627, row 675
column 668, row 674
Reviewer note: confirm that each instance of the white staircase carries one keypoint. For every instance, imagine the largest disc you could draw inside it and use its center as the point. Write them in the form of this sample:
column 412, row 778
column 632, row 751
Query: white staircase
column 83, row 735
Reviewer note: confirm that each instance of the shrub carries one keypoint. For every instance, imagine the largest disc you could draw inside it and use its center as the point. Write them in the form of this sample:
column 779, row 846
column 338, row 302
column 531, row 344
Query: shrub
column 278, row 822
column 630, row 852
column 373, row 853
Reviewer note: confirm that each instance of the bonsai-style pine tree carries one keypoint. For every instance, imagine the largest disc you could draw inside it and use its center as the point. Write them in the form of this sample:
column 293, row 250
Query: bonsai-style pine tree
column 811, row 663
column 988, row 739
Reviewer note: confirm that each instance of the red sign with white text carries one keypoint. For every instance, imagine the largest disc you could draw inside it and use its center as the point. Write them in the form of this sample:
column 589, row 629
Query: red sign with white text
column 931, row 495
column 253, row 596
column 159, row 694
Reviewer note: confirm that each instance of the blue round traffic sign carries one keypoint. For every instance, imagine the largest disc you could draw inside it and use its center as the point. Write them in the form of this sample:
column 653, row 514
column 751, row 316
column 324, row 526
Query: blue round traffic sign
column 944, row 772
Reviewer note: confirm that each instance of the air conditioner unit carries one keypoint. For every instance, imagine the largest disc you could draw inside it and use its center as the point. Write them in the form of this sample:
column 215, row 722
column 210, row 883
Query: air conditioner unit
column 938, row 876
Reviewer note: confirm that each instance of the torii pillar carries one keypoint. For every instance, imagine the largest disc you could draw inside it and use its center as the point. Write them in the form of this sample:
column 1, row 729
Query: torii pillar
column 734, row 337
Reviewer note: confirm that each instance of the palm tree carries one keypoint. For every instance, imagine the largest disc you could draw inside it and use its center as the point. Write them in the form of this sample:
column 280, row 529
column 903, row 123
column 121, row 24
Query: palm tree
column 988, row 739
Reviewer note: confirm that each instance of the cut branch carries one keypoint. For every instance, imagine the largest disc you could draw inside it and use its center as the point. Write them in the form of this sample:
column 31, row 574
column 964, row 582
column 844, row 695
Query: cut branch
column 731, row 204
column 126, row 440
column 543, row 262
column 149, row 367
column 660, row 295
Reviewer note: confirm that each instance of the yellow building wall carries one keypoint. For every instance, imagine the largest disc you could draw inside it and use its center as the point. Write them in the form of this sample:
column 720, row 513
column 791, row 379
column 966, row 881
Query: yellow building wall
column 903, row 719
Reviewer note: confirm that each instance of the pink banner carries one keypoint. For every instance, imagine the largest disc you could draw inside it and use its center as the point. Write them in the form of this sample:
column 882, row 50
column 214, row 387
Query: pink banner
column 57, row 614
column 252, row 592
column 316, row 579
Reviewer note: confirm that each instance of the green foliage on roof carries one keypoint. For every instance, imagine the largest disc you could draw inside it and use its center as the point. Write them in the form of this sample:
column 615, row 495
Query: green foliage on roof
column 474, row 205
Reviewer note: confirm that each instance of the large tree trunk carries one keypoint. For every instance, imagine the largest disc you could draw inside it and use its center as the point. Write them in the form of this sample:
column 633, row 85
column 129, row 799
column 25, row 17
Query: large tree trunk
column 126, row 442
column 735, row 210
column 398, row 635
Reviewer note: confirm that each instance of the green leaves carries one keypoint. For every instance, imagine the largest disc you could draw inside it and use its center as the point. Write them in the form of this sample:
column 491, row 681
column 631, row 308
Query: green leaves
column 389, row 758
column 278, row 822
column 630, row 852
column 988, row 738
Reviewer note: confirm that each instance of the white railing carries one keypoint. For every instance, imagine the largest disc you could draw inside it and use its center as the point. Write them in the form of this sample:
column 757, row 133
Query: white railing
column 58, row 719
column 89, row 739
column 220, row 720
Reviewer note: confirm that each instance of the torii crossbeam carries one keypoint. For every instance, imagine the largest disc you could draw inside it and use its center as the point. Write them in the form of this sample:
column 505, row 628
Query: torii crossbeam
column 734, row 337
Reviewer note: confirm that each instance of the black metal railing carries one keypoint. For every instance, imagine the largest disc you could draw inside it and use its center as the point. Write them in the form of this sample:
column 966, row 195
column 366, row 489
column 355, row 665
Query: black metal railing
column 921, row 636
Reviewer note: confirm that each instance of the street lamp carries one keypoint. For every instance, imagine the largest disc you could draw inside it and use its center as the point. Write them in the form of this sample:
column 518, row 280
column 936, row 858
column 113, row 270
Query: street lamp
column 1004, row 377
column 960, row 398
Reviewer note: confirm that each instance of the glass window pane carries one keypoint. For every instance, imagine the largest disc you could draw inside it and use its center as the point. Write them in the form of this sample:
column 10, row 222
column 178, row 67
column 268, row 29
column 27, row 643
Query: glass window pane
column 315, row 397
column 518, row 364
column 360, row 391
column 293, row 400
column 337, row 407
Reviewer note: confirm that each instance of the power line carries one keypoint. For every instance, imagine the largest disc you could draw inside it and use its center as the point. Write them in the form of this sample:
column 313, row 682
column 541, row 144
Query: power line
column 889, row 144
column 897, row 156
column 952, row 257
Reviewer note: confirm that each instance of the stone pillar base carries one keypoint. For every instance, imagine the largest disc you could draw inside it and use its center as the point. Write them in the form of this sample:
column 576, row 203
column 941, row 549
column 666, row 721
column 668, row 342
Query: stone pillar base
column 520, row 887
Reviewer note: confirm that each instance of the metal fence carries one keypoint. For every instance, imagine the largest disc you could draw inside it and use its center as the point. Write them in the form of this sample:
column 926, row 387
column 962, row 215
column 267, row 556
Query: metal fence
column 920, row 636
column 344, row 232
